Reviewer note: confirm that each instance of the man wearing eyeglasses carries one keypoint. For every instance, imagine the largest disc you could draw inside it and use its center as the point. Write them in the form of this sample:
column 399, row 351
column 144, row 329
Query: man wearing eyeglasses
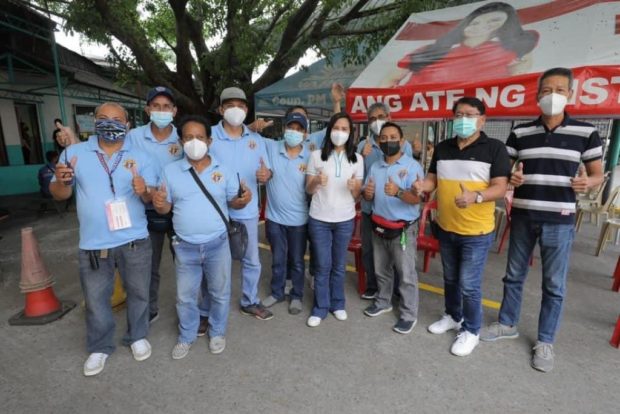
column 470, row 172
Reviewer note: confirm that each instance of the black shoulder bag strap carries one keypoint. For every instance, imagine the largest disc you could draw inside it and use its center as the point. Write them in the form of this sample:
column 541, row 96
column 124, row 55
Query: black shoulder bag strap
column 210, row 197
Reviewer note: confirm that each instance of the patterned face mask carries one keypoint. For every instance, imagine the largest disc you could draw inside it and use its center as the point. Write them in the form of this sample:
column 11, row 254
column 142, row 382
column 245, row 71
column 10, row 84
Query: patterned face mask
column 110, row 129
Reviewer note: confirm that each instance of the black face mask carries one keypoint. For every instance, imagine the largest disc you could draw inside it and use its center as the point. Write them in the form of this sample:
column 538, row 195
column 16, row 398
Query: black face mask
column 390, row 148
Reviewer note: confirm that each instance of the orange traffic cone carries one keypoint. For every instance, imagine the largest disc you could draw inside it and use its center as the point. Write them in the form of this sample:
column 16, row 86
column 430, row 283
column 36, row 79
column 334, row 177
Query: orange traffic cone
column 42, row 305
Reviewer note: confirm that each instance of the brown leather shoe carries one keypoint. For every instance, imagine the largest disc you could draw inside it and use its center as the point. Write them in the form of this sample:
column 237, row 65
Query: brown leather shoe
column 258, row 311
column 203, row 326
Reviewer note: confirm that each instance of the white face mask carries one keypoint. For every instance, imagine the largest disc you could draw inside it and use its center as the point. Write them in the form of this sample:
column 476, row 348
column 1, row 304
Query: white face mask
column 195, row 149
column 339, row 137
column 375, row 126
column 552, row 104
column 234, row 116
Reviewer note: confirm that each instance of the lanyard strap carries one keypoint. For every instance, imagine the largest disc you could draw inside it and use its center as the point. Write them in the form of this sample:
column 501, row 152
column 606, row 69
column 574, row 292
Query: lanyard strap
column 104, row 164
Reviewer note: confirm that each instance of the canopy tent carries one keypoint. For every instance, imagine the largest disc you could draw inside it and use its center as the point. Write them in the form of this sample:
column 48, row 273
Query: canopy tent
column 309, row 87
column 495, row 51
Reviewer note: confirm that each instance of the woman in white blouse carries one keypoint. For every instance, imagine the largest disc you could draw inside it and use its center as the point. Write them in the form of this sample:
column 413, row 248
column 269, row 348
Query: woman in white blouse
column 334, row 178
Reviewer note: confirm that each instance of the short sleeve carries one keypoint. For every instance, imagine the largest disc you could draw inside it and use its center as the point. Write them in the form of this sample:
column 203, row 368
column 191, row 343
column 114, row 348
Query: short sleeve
column 511, row 146
column 312, row 165
column 433, row 166
column 359, row 167
column 594, row 148
column 263, row 151
column 501, row 162
column 415, row 171
column 232, row 186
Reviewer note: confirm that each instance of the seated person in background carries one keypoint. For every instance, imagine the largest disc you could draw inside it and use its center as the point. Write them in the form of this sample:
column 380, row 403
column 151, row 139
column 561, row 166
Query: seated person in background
column 47, row 172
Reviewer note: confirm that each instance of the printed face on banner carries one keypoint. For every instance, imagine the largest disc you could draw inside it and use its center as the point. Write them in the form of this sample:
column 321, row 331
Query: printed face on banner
column 495, row 51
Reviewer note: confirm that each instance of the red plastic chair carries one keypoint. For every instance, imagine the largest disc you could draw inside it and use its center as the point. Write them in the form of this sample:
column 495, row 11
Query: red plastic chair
column 426, row 242
column 355, row 247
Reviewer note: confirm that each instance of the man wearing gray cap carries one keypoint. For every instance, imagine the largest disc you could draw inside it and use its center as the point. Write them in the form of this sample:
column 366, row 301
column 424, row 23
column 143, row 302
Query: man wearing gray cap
column 159, row 140
column 244, row 153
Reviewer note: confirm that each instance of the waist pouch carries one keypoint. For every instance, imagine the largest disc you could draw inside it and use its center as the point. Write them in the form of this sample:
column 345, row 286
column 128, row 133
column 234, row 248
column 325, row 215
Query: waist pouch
column 387, row 229
column 161, row 223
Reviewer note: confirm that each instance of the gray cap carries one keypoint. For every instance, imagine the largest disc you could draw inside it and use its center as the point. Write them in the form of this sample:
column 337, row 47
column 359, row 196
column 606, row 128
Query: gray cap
column 232, row 93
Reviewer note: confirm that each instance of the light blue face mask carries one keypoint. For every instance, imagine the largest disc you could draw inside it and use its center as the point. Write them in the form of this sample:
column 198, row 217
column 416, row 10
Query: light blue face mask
column 293, row 138
column 161, row 119
column 464, row 127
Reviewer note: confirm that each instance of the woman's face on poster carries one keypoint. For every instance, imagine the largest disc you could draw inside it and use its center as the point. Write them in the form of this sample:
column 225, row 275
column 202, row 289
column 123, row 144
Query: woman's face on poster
column 485, row 24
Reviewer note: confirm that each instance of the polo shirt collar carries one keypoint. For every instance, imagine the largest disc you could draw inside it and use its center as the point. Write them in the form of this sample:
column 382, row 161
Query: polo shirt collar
column 302, row 154
column 93, row 144
column 148, row 134
column 185, row 165
column 567, row 119
column 246, row 131
column 400, row 161
column 482, row 139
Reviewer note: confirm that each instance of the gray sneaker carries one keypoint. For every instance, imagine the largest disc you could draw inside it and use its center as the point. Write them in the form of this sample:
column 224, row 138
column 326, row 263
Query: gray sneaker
column 496, row 331
column 295, row 307
column 542, row 357
column 217, row 344
column 269, row 301
column 180, row 350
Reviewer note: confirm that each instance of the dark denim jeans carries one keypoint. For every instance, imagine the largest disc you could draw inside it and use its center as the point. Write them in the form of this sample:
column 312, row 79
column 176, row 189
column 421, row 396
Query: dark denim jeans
column 288, row 246
column 157, row 241
column 134, row 264
column 329, row 243
column 463, row 259
column 555, row 242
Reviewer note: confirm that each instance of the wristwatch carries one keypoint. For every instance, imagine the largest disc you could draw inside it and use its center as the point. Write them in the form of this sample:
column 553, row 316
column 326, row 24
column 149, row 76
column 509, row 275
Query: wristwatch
column 400, row 193
column 479, row 198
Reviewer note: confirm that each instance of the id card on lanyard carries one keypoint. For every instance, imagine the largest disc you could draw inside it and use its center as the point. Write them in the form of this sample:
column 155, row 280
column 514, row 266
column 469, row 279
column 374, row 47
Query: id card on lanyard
column 116, row 209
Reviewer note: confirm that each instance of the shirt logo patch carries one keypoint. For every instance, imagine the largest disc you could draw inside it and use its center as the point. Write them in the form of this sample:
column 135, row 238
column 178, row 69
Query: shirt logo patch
column 129, row 164
column 174, row 149
column 312, row 147
column 216, row 177
column 302, row 168
column 252, row 144
column 402, row 174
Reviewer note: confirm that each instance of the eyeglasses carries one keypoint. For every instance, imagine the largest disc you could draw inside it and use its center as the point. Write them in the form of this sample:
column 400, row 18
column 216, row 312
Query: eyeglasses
column 461, row 115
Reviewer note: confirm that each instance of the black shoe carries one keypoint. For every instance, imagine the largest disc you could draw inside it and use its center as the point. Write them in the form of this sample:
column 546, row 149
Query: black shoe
column 153, row 317
column 369, row 294
column 203, row 326
column 373, row 310
column 404, row 327
column 258, row 311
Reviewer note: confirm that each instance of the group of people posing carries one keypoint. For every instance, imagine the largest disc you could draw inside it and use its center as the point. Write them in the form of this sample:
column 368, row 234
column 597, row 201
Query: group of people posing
column 135, row 188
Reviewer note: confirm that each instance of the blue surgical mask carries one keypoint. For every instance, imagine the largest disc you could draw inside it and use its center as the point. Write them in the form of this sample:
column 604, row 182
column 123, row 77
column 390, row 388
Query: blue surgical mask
column 465, row 127
column 293, row 138
column 110, row 129
column 161, row 119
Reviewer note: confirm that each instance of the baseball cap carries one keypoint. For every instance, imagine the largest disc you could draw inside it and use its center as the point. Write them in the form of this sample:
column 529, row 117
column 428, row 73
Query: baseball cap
column 232, row 93
column 296, row 117
column 159, row 90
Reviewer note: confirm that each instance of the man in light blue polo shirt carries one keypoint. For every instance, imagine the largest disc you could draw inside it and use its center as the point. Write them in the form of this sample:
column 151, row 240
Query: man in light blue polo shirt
column 201, row 244
column 394, row 213
column 160, row 141
column 244, row 153
column 112, row 180
column 378, row 114
column 287, row 211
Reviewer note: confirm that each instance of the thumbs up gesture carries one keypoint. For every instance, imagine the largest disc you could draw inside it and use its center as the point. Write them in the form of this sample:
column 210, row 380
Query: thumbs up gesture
column 263, row 174
column 137, row 182
column 391, row 188
column 465, row 198
column 418, row 187
column 517, row 179
column 353, row 184
column 369, row 190
column 322, row 178
column 367, row 148
column 160, row 197
column 580, row 183
column 64, row 173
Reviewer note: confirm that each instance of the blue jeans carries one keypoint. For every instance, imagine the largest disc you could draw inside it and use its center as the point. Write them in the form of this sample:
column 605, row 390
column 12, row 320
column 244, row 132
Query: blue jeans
column 329, row 243
column 212, row 260
column 463, row 259
column 555, row 242
column 134, row 264
column 288, row 245
column 250, row 271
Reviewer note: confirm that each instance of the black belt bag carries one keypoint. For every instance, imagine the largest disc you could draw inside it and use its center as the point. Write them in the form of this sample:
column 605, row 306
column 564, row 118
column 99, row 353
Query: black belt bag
column 387, row 229
column 161, row 223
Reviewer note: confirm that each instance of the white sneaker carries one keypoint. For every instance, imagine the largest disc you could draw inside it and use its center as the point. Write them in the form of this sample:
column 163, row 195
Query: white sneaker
column 94, row 364
column 341, row 315
column 313, row 321
column 217, row 344
column 141, row 350
column 465, row 343
column 443, row 325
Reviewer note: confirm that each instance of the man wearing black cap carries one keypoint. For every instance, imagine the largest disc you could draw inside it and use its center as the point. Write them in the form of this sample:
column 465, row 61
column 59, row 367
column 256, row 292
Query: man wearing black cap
column 160, row 141
column 244, row 153
column 287, row 211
